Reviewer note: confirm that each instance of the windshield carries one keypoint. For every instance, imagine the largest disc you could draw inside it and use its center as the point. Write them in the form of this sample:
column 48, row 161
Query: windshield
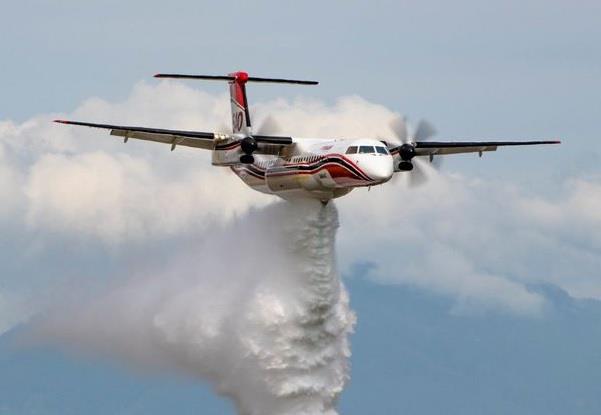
column 381, row 150
column 351, row 150
column 366, row 150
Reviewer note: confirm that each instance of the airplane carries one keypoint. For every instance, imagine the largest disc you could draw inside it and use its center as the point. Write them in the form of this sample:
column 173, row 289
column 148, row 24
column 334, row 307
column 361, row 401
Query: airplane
column 317, row 168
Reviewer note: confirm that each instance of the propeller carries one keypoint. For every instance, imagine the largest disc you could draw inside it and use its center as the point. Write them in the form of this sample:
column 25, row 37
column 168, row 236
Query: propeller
column 249, row 145
column 269, row 126
column 398, row 125
column 423, row 132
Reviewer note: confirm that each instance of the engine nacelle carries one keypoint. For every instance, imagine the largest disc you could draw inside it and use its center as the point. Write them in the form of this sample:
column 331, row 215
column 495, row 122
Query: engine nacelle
column 405, row 166
column 402, row 159
column 227, row 150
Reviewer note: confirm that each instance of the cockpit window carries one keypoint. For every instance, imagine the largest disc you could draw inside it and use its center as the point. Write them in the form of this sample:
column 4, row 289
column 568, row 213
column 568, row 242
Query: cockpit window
column 381, row 150
column 352, row 150
column 366, row 150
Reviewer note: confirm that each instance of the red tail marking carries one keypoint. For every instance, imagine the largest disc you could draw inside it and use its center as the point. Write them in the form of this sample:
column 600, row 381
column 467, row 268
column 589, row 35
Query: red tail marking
column 237, row 87
column 241, row 76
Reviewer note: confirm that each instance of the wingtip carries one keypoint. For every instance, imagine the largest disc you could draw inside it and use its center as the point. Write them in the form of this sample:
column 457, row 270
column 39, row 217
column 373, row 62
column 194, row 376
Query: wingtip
column 62, row 121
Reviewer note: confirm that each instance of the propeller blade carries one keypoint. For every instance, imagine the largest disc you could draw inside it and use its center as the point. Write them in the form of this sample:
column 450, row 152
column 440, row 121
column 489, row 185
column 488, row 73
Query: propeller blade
column 418, row 176
column 269, row 126
column 424, row 131
column 399, row 128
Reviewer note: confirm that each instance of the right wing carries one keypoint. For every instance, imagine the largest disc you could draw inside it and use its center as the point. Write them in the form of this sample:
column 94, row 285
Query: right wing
column 176, row 137
column 441, row 148
column 424, row 148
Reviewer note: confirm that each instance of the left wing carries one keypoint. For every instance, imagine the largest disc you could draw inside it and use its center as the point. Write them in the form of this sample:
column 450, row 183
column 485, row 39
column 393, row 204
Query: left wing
column 175, row 138
column 432, row 148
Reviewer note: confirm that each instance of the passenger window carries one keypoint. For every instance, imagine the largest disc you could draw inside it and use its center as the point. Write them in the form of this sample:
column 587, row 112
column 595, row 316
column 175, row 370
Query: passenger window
column 366, row 150
column 352, row 150
column 381, row 150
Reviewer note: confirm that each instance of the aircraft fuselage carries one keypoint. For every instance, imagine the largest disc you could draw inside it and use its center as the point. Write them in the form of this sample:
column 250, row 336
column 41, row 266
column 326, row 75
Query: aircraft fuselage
column 319, row 169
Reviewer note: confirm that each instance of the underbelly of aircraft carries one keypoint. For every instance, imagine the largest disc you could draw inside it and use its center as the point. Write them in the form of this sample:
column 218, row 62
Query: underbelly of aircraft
column 288, row 183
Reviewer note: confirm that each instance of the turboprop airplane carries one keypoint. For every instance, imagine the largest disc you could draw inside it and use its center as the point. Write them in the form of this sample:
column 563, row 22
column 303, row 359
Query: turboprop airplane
column 318, row 168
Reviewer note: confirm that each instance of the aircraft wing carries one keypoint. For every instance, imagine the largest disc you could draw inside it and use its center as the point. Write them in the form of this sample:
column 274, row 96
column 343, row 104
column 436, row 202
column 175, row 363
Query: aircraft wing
column 175, row 138
column 432, row 148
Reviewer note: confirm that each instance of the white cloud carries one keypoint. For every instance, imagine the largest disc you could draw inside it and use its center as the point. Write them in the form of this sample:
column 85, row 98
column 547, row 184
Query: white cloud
column 84, row 182
column 479, row 242
column 349, row 117
column 10, row 182
column 120, row 198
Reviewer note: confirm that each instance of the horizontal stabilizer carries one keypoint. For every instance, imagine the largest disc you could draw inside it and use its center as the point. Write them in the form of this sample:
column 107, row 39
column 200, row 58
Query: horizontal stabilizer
column 238, row 78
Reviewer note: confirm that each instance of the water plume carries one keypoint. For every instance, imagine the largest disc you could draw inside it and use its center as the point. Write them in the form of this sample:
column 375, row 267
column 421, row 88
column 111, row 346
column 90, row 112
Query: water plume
column 258, row 310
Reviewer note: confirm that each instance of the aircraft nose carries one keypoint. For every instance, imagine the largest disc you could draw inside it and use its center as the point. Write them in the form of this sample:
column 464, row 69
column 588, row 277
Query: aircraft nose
column 382, row 170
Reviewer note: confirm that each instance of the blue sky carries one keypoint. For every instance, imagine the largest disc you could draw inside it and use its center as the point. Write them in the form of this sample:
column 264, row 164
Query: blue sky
column 479, row 234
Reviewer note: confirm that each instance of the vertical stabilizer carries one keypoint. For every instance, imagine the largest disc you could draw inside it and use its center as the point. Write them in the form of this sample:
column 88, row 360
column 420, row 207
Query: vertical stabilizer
column 239, row 102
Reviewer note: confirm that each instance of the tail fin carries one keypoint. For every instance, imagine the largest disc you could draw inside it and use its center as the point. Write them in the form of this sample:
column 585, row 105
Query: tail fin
column 240, row 114
column 237, row 81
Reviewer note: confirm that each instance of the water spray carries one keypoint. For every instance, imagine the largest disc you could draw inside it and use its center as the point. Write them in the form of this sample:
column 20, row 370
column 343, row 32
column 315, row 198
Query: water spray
column 260, row 312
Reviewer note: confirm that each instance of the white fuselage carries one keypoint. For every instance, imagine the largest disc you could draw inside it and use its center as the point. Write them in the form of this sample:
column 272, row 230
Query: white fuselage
column 314, row 168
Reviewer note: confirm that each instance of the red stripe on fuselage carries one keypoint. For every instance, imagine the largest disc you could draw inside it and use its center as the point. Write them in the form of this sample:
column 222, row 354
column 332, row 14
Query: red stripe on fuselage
column 339, row 172
column 335, row 170
column 229, row 146
column 334, row 156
